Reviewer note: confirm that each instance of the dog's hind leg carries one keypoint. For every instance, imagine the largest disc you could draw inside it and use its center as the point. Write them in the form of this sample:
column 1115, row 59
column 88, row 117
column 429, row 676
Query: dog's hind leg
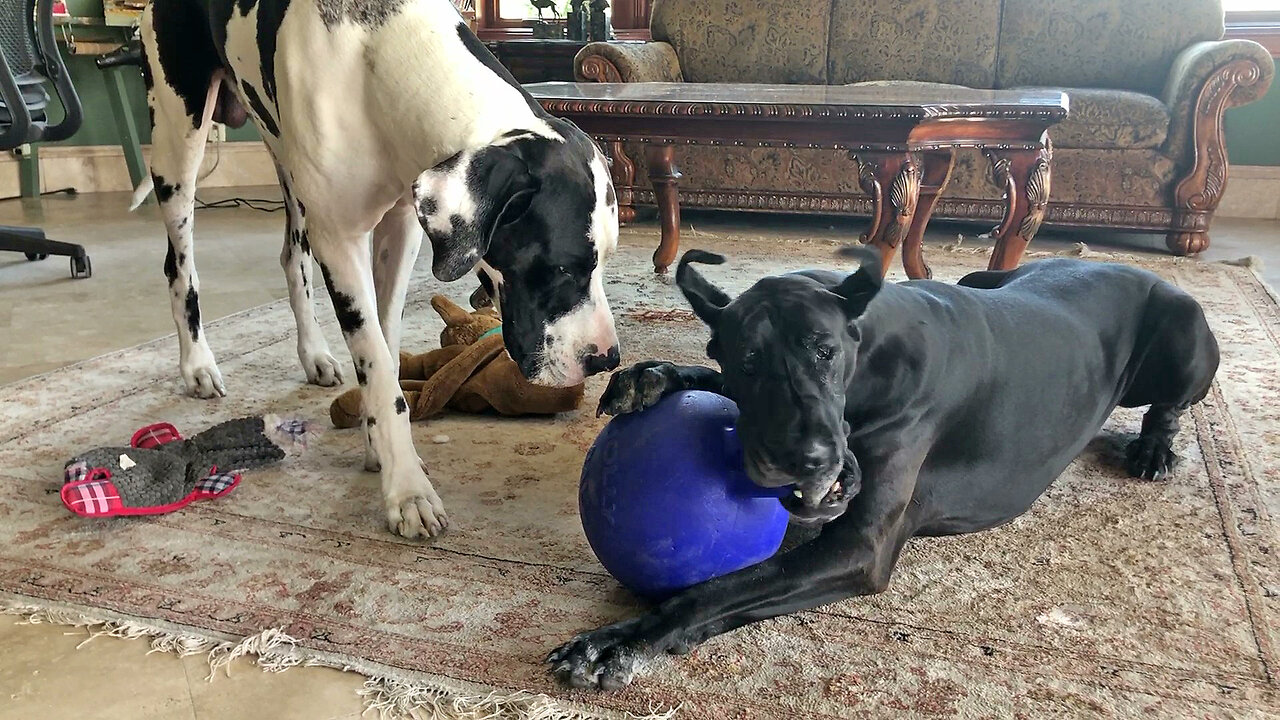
column 295, row 258
column 1175, row 365
column 180, row 128
column 396, row 241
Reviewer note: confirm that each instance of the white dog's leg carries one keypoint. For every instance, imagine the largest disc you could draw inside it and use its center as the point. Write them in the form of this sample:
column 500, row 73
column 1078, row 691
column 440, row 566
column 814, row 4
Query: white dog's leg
column 396, row 242
column 177, row 142
column 295, row 258
column 413, row 507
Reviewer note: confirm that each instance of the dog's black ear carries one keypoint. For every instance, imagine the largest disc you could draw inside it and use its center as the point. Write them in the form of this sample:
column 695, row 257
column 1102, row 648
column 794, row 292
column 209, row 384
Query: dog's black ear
column 706, row 299
column 859, row 288
column 463, row 200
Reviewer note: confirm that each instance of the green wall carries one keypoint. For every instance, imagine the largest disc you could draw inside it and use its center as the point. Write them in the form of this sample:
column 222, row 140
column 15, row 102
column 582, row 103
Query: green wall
column 1253, row 131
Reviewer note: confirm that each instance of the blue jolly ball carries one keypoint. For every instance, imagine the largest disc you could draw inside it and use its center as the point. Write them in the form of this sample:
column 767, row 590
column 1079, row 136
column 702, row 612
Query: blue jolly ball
column 665, row 501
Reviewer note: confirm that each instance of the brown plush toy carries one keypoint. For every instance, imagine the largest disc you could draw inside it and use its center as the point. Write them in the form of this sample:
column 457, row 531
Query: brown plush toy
column 471, row 372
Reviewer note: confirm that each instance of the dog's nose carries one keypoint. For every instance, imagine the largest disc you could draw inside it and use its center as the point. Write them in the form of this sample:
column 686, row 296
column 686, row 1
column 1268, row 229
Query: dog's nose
column 594, row 363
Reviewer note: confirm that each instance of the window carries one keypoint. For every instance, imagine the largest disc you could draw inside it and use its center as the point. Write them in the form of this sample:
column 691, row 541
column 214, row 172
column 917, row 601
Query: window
column 506, row 18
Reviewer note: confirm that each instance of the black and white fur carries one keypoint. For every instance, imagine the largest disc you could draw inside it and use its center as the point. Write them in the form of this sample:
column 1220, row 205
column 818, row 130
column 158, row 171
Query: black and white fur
column 384, row 117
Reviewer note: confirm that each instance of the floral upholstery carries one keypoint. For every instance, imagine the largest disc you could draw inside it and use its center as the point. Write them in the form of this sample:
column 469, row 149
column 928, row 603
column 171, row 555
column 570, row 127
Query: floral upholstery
column 947, row 42
column 1102, row 119
column 640, row 62
column 743, row 41
column 1124, row 44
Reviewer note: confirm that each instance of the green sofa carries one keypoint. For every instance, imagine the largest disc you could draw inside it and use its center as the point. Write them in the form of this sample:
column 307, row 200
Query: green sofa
column 1148, row 82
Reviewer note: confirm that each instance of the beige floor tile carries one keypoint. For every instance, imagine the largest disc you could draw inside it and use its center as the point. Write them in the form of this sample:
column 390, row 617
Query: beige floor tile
column 43, row 675
column 295, row 694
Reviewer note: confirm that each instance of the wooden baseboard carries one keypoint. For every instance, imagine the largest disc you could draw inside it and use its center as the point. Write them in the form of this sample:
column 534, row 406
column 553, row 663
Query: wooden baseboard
column 101, row 168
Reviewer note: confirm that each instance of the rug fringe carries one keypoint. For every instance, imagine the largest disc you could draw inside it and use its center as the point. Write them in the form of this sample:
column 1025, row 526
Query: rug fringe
column 392, row 697
column 274, row 650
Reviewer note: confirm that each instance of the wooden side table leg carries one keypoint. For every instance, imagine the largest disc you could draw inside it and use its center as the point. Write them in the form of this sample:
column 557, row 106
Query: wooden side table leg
column 893, row 182
column 934, row 178
column 665, row 176
column 623, row 171
column 1025, row 176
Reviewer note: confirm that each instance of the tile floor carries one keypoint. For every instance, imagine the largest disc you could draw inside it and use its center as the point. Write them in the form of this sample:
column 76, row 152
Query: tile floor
column 48, row 321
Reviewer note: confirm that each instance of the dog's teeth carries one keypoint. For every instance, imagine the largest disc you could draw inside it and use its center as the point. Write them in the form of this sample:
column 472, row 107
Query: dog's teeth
column 797, row 493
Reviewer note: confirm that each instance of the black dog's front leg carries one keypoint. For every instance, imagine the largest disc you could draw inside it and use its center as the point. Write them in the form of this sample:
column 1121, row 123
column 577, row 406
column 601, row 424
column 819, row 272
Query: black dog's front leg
column 854, row 555
column 642, row 385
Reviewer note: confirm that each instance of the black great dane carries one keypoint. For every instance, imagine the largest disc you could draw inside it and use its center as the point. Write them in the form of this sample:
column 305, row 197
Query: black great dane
column 905, row 410
column 385, row 119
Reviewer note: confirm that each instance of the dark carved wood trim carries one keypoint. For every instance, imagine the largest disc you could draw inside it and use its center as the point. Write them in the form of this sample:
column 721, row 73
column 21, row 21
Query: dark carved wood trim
column 1197, row 195
column 795, row 113
column 1114, row 217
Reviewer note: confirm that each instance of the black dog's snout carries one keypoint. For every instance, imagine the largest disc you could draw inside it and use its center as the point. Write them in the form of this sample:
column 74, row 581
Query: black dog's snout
column 594, row 363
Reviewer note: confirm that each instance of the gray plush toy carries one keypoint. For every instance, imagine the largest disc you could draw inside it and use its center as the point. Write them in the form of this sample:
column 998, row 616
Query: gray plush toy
column 160, row 471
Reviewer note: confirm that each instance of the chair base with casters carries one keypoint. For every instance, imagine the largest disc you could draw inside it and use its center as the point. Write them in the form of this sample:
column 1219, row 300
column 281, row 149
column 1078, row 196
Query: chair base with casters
column 28, row 58
column 33, row 243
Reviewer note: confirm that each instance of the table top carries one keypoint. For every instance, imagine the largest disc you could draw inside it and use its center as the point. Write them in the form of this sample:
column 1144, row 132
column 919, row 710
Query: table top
column 799, row 101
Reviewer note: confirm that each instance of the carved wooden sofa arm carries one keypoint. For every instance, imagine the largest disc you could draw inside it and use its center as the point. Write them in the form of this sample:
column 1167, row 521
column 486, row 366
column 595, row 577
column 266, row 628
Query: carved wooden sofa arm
column 1206, row 79
column 639, row 62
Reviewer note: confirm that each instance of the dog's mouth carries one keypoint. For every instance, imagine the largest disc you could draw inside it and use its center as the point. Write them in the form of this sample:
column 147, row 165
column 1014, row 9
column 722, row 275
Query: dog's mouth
column 822, row 503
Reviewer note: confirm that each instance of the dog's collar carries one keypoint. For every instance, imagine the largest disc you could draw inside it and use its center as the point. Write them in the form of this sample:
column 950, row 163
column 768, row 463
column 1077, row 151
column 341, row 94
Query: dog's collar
column 494, row 331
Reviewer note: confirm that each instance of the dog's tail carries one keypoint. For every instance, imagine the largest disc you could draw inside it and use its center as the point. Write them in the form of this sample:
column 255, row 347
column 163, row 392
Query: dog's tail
column 145, row 187
column 141, row 192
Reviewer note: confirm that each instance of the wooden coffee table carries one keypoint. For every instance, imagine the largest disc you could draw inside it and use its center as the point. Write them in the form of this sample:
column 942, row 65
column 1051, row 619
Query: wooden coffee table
column 901, row 140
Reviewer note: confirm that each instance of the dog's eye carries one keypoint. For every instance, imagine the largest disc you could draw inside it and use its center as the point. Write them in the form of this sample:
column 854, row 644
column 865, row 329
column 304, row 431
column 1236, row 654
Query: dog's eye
column 824, row 353
column 749, row 364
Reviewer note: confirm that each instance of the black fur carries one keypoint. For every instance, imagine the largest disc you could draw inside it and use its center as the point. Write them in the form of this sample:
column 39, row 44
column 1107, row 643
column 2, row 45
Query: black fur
column 401, row 406
column 906, row 410
column 186, row 52
column 270, row 15
column 164, row 191
column 193, row 313
column 344, row 306
column 171, row 265
column 260, row 109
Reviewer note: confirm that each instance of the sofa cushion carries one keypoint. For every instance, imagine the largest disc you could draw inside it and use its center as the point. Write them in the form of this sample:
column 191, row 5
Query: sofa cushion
column 1103, row 119
column 769, row 41
column 1126, row 44
column 951, row 42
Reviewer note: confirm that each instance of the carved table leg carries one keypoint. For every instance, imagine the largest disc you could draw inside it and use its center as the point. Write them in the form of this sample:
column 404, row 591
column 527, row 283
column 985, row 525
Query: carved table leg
column 893, row 182
column 623, row 171
column 664, row 175
column 934, row 178
column 1024, row 176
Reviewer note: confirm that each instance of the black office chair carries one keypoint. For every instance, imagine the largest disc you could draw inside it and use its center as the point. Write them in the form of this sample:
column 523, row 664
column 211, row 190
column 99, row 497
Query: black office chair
column 29, row 56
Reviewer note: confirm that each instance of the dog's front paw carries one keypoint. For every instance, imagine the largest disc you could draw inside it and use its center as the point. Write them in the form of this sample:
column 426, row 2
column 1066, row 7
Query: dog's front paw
column 638, row 387
column 320, row 366
column 1150, row 458
column 608, row 658
column 201, row 377
column 414, row 510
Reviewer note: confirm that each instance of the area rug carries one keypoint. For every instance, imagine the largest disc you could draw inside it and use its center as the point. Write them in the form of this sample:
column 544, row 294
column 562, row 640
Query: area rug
column 1112, row 597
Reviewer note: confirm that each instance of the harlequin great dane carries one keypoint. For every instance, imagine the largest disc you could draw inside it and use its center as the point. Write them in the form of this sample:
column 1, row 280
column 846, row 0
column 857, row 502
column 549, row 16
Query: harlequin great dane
column 384, row 118
column 905, row 410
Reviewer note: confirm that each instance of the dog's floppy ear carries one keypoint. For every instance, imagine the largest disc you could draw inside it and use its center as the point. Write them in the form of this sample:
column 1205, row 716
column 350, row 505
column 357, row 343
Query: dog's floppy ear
column 707, row 299
column 858, row 289
column 464, row 199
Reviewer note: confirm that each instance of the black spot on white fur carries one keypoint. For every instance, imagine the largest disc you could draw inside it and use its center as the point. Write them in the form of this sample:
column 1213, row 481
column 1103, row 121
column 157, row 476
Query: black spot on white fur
column 164, row 191
column 186, row 51
column 260, row 109
column 401, row 406
column 344, row 306
column 367, row 13
column 193, row 313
